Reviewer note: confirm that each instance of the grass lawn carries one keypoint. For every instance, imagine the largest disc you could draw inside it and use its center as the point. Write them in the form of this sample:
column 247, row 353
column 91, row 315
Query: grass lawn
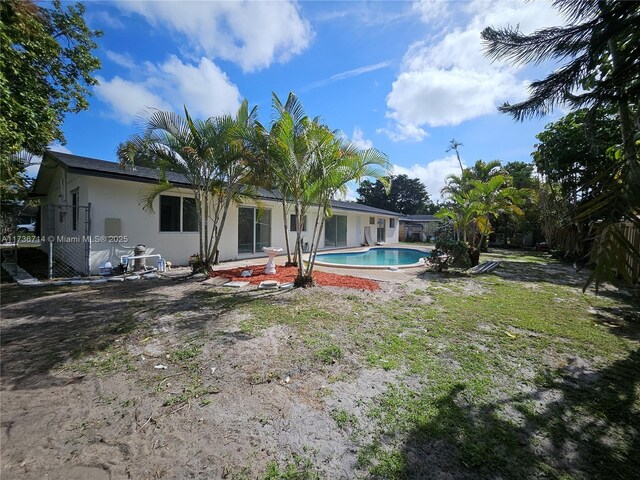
column 515, row 374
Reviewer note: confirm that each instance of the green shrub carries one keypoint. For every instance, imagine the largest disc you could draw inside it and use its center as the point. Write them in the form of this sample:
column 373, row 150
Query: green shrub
column 450, row 253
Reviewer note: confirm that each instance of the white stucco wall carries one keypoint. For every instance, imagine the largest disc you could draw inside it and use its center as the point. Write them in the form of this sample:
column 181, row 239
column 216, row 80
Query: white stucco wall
column 123, row 199
column 113, row 198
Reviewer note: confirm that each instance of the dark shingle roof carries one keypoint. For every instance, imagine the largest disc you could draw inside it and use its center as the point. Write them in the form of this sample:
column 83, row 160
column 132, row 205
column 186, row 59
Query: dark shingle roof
column 92, row 166
column 359, row 207
column 420, row 218
column 102, row 168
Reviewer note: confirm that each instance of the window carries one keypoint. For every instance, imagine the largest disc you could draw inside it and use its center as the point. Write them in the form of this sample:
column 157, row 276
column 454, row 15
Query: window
column 176, row 212
column 392, row 223
column 74, row 209
column 372, row 220
column 169, row 214
column 254, row 229
column 293, row 225
column 381, row 234
column 189, row 215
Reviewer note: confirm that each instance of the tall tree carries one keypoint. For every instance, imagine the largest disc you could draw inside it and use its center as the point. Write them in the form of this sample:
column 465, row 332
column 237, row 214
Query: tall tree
column 406, row 195
column 339, row 163
column 212, row 154
column 570, row 156
column 572, row 151
column 312, row 164
column 521, row 174
column 474, row 210
column 374, row 194
column 455, row 145
column 481, row 171
column 46, row 71
column 598, row 50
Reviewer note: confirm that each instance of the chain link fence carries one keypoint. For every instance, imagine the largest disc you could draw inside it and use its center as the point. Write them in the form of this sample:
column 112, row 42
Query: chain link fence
column 65, row 232
column 9, row 215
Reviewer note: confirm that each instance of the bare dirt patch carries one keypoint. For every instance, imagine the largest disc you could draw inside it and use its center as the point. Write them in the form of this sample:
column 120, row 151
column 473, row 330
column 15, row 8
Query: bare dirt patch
column 153, row 380
column 429, row 378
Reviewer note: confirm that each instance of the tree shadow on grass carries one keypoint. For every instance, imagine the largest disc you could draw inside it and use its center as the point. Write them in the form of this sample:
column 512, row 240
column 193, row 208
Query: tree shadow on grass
column 579, row 423
column 44, row 328
column 207, row 306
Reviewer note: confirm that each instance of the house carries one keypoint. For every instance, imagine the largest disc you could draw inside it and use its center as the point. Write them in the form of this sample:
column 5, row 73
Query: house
column 418, row 228
column 93, row 212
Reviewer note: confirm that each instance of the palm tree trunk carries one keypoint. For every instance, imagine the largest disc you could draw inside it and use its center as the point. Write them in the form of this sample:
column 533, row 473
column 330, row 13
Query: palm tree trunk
column 220, row 227
column 286, row 230
column 198, row 198
column 299, row 244
column 205, row 254
column 314, row 250
column 315, row 242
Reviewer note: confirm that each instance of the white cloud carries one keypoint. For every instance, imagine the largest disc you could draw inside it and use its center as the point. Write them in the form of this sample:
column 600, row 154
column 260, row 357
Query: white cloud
column 123, row 59
column 431, row 174
column 128, row 99
column 359, row 141
column 103, row 17
column 436, row 97
column 251, row 34
column 400, row 132
column 431, row 10
column 203, row 88
column 449, row 81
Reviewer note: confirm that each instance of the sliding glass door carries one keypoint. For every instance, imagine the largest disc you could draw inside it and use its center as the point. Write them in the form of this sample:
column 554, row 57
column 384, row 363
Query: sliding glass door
column 254, row 229
column 382, row 234
column 335, row 231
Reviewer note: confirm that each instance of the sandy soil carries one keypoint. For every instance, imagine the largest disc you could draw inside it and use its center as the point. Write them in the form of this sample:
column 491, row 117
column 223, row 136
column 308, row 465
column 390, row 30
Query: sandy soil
column 67, row 418
column 102, row 382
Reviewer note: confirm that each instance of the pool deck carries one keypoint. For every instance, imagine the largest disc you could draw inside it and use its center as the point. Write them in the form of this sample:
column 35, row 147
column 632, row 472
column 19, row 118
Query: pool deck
column 381, row 274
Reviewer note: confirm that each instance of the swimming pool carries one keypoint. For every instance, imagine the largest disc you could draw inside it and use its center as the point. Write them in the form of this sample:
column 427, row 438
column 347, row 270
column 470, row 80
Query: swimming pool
column 374, row 258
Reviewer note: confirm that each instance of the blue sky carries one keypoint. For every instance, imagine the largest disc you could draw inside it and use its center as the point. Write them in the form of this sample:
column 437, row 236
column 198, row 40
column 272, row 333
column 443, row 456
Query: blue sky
column 405, row 77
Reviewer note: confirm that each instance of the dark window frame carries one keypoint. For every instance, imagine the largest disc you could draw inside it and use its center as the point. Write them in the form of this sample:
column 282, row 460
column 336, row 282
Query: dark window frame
column 180, row 222
column 292, row 223
column 189, row 222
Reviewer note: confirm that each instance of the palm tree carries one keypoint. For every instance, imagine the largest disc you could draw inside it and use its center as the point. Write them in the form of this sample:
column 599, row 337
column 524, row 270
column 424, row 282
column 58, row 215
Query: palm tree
column 600, row 47
column 337, row 163
column 480, row 170
column 489, row 200
column 472, row 211
column 212, row 156
column 288, row 163
column 454, row 145
column 459, row 210
column 308, row 164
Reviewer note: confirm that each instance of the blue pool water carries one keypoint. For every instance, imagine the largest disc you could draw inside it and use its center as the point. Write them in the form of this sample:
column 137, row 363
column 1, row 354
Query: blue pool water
column 374, row 257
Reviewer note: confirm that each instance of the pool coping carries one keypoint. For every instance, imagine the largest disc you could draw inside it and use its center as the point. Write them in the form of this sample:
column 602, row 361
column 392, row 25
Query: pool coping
column 422, row 263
